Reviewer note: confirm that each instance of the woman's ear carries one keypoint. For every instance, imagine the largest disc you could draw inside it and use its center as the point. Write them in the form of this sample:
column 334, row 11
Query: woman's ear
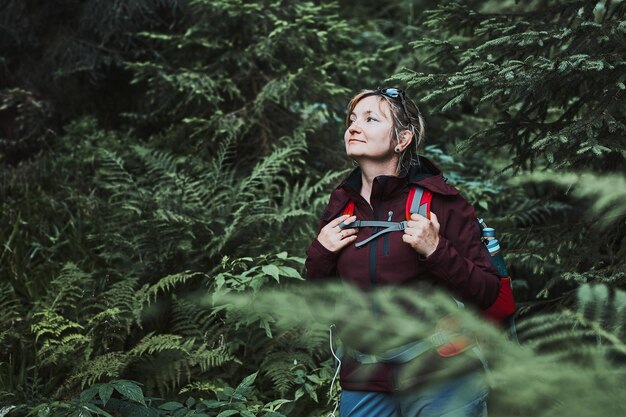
column 404, row 140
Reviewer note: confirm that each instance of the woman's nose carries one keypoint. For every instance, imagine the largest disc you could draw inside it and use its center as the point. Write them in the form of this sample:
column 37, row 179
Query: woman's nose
column 354, row 127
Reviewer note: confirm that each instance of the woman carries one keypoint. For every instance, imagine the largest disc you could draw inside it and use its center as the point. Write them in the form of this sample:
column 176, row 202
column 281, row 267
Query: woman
column 384, row 130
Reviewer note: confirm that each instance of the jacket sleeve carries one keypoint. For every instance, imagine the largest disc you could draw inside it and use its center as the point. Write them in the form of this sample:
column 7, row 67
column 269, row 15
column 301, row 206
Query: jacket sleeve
column 459, row 260
column 320, row 262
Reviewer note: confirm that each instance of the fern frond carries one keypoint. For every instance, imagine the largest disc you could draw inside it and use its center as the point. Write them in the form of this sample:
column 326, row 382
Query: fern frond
column 189, row 319
column 69, row 350
column 152, row 344
column 536, row 212
column 602, row 311
column 613, row 278
column 203, row 387
column 114, row 177
column 207, row 358
column 280, row 367
column 597, row 320
column 122, row 296
column 51, row 326
column 167, row 283
column 10, row 306
column 109, row 365
column 67, row 290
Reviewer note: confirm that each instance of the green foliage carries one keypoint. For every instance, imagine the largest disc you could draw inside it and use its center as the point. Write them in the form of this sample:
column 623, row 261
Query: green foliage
column 530, row 87
column 550, row 80
column 597, row 318
column 92, row 401
column 166, row 163
column 606, row 194
column 584, row 338
column 113, row 321
column 97, row 399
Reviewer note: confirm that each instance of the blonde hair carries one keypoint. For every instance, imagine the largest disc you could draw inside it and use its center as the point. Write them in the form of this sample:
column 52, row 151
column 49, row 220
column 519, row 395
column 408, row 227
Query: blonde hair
column 414, row 123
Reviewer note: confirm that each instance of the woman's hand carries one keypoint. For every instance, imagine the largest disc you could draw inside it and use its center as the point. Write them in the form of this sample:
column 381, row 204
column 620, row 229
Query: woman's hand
column 422, row 234
column 333, row 238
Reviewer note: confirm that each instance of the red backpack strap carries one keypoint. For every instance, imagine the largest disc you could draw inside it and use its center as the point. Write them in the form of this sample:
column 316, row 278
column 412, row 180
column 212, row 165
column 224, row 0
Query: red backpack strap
column 348, row 209
column 418, row 202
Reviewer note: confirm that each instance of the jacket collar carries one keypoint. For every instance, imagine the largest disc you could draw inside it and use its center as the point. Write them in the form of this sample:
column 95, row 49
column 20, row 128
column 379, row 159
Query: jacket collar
column 424, row 174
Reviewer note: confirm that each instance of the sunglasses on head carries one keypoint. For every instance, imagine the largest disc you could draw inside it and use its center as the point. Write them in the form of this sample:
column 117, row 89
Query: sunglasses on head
column 395, row 93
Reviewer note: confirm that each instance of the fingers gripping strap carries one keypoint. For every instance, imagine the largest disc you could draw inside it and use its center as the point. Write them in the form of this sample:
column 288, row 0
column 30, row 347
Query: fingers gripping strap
column 419, row 200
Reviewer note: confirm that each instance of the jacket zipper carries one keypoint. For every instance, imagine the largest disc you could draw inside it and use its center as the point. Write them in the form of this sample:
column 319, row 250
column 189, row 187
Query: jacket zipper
column 386, row 237
column 373, row 279
column 373, row 246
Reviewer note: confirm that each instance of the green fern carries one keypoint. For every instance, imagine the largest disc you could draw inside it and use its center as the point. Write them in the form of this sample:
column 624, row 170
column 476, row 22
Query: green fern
column 50, row 326
column 166, row 284
column 597, row 320
column 152, row 343
column 108, row 365
column 123, row 297
column 12, row 310
column 67, row 290
column 207, row 358
column 281, row 368
column 191, row 320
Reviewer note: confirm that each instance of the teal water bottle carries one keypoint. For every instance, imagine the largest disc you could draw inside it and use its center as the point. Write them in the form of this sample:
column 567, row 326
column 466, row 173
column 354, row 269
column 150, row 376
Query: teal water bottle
column 493, row 246
column 503, row 309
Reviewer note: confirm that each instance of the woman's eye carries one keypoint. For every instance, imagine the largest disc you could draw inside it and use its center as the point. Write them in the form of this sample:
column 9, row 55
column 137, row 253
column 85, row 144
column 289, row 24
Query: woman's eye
column 369, row 119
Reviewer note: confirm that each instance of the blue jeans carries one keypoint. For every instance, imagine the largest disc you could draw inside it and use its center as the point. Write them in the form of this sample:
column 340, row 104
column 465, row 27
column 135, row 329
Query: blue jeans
column 465, row 396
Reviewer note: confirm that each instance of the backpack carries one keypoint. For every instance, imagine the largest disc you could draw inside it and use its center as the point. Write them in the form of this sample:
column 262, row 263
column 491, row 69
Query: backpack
column 418, row 201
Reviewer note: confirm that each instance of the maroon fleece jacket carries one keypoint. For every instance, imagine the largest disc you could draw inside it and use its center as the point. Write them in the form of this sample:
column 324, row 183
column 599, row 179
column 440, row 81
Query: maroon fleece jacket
column 458, row 263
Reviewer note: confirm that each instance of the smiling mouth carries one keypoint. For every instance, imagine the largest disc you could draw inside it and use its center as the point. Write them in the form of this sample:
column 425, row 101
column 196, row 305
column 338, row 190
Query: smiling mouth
column 355, row 140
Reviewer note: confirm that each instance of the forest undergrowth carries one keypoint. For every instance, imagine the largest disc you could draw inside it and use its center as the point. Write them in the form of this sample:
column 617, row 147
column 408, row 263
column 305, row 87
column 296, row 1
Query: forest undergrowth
column 165, row 164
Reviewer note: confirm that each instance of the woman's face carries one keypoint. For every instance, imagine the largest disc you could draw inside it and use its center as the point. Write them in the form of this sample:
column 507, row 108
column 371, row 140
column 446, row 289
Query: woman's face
column 369, row 134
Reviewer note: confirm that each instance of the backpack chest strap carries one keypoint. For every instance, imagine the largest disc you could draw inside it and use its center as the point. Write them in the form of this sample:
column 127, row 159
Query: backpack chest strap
column 357, row 224
column 418, row 201
column 388, row 227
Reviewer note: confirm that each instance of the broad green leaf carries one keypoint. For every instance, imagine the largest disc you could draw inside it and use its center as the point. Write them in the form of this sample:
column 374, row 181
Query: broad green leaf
column 227, row 413
column 315, row 379
column 104, row 392
column 290, row 272
column 275, row 405
column 310, row 389
column 247, row 381
column 94, row 408
column 214, row 404
column 182, row 412
column 88, row 394
column 82, row 412
column 129, row 390
column 272, row 270
column 170, row 406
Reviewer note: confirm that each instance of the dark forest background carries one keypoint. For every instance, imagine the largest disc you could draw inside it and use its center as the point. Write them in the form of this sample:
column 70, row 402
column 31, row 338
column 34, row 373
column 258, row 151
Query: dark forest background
column 155, row 153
